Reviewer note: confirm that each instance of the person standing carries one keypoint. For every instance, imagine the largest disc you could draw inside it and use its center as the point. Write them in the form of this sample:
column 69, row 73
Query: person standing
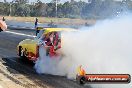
column 36, row 26
column 3, row 18
column 36, row 23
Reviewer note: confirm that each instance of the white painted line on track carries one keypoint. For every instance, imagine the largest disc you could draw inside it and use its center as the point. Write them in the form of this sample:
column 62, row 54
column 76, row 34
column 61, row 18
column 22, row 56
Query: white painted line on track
column 20, row 34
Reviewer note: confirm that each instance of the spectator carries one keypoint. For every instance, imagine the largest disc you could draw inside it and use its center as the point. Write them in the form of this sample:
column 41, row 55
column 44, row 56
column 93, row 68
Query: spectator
column 36, row 23
column 3, row 18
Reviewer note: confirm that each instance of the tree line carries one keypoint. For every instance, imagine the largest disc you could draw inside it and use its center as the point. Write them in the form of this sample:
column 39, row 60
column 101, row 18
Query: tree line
column 70, row 9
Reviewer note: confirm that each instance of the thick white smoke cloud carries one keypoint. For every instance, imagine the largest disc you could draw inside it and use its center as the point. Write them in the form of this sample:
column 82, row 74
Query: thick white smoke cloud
column 104, row 48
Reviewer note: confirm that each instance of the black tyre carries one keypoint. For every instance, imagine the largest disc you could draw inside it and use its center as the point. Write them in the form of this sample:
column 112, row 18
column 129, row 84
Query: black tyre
column 1, row 30
column 82, row 80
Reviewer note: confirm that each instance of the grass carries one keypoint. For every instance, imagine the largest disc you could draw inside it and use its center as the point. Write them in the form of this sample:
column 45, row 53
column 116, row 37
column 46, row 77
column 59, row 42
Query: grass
column 66, row 21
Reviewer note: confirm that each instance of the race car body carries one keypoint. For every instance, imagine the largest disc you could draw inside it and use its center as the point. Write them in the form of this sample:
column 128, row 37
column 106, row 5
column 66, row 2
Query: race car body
column 49, row 38
column 28, row 49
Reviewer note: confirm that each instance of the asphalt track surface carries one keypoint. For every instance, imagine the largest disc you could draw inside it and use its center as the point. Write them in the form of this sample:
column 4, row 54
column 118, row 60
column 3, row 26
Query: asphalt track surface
column 8, row 42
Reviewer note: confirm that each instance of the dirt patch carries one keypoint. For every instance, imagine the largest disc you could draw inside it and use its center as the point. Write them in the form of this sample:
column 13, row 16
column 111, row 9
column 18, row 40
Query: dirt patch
column 10, row 78
column 65, row 21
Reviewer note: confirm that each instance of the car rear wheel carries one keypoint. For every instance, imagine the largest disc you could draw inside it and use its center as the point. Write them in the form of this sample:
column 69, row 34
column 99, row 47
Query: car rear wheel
column 82, row 80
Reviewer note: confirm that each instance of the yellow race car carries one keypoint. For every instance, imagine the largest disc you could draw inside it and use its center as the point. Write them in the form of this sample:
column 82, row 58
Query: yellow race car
column 50, row 38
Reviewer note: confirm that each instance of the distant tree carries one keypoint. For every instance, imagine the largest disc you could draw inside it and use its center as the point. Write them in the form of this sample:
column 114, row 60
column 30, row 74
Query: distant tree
column 40, row 8
column 60, row 14
column 126, row 4
column 54, row 1
column 66, row 9
column 5, row 1
column 71, row 9
column 20, row 8
column 23, row 10
column 80, row 6
column 22, row 1
column 4, row 8
column 51, row 9
column 92, row 9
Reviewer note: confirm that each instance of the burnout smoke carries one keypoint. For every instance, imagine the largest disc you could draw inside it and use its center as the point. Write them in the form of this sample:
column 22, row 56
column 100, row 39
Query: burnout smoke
column 105, row 48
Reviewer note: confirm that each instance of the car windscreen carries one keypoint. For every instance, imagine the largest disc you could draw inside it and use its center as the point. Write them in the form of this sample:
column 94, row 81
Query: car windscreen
column 40, row 34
